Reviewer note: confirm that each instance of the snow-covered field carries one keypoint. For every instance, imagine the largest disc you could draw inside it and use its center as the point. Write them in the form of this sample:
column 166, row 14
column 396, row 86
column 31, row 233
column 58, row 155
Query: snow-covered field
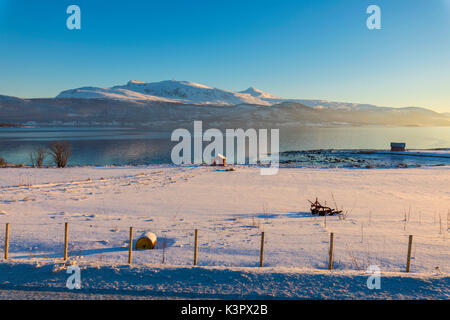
column 230, row 210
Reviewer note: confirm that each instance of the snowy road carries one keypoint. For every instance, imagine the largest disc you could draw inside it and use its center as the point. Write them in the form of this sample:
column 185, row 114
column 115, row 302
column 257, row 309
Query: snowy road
column 48, row 281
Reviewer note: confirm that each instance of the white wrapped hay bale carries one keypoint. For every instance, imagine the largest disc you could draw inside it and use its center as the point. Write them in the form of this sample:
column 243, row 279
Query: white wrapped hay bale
column 146, row 241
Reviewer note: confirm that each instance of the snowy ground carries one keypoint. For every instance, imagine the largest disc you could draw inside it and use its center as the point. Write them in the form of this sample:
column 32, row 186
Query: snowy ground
column 173, row 282
column 230, row 209
column 366, row 158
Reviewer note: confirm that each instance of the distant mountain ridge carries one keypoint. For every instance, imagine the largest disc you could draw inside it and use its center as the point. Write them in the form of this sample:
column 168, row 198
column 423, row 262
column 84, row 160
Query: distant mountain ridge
column 170, row 91
column 171, row 104
column 194, row 93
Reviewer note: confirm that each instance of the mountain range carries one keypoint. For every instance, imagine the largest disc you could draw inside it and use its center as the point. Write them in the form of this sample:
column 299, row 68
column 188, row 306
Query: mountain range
column 172, row 91
column 165, row 103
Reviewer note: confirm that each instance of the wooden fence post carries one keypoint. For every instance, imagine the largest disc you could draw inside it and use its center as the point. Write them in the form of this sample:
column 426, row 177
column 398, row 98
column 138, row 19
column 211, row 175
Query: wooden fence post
column 6, row 241
column 195, row 247
column 261, row 253
column 408, row 259
column 330, row 254
column 130, row 246
column 66, row 240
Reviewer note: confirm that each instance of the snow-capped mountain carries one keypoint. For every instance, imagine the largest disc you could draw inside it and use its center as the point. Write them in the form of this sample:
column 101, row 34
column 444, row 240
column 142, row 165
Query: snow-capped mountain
column 168, row 104
column 260, row 94
column 173, row 91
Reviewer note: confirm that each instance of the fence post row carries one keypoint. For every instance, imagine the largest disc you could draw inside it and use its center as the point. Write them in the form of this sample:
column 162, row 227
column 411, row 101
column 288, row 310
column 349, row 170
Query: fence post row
column 130, row 246
column 261, row 253
column 408, row 258
column 66, row 240
column 195, row 247
column 6, row 241
column 330, row 253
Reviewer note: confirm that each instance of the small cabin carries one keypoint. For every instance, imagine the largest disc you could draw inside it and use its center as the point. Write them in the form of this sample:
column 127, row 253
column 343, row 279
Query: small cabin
column 398, row 146
column 220, row 160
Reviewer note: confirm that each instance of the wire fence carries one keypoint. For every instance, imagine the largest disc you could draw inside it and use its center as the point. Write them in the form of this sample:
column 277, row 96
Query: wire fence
column 223, row 245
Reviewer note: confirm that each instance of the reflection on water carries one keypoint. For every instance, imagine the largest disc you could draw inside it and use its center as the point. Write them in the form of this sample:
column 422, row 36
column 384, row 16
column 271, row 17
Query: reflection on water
column 121, row 146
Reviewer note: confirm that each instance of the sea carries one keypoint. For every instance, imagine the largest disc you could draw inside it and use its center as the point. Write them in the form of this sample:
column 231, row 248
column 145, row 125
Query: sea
column 339, row 146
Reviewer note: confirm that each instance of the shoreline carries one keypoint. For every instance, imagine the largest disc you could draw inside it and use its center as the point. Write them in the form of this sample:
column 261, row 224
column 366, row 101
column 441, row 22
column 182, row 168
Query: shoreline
column 283, row 165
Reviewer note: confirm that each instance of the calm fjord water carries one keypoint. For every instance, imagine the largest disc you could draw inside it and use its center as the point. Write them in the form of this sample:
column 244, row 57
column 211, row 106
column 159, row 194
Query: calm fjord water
column 121, row 146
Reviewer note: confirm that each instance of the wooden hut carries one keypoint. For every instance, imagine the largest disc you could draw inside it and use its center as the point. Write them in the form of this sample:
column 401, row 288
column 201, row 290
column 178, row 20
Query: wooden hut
column 219, row 160
column 398, row 146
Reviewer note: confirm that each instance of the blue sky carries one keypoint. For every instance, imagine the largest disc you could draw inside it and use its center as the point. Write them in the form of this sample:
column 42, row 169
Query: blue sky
column 294, row 49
